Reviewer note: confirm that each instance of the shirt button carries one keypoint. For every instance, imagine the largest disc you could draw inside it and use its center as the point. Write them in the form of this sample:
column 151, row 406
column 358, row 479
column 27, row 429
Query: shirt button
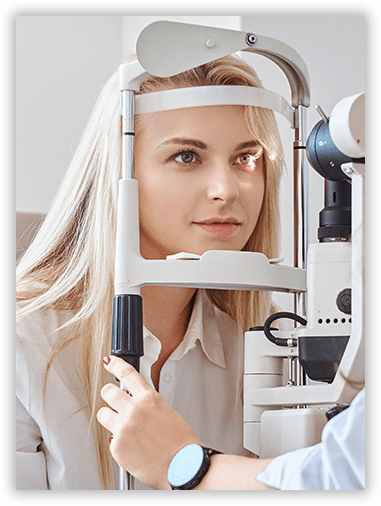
column 168, row 378
column 193, row 347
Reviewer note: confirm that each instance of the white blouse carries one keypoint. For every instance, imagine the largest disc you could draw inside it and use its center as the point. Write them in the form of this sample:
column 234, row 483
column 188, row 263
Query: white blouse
column 201, row 380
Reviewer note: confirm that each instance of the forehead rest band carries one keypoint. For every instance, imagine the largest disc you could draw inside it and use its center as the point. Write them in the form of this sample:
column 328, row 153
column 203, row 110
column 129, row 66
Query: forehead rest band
column 202, row 96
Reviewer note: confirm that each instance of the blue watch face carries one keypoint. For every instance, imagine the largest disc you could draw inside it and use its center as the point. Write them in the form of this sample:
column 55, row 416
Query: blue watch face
column 185, row 465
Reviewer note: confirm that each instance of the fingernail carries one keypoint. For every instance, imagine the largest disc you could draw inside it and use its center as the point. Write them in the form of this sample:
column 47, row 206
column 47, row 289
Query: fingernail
column 110, row 439
column 106, row 360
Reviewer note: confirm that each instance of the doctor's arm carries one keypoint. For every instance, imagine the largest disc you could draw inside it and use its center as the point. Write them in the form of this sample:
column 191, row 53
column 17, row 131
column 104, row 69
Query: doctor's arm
column 233, row 472
column 147, row 433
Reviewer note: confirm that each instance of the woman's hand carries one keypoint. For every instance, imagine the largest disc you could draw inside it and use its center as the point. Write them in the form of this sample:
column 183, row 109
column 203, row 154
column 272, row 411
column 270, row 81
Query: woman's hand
column 147, row 432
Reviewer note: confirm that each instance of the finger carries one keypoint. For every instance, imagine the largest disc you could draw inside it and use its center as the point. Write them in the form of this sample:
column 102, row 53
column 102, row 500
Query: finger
column 127, row 374
column 115, row 397
column 108, row 418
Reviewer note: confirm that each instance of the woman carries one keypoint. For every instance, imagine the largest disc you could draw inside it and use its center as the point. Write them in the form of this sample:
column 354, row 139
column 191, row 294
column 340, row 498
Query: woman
column 208, row 179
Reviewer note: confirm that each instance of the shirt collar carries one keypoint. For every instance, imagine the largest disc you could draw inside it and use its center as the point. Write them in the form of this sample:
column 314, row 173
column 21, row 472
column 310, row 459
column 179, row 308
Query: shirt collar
column 203, row 327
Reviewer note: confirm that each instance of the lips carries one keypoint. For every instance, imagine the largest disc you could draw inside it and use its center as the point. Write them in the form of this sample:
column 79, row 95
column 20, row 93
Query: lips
column 219, row 226
column 217, row 220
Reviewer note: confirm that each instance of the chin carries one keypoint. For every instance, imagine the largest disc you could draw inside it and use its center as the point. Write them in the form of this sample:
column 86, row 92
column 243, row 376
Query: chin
column 219, row 247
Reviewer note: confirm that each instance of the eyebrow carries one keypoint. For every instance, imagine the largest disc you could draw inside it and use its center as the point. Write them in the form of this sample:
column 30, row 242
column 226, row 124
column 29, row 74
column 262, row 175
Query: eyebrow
column 249, row 144
column 199, row 144
column 184, row 141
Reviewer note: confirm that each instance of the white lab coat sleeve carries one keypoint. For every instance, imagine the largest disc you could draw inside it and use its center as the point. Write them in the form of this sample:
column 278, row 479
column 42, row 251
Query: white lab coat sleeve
column 30, row 461
column 337, row 463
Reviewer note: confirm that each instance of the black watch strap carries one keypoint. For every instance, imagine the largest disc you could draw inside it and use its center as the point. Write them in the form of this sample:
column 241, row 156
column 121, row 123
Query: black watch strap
column 208, row 453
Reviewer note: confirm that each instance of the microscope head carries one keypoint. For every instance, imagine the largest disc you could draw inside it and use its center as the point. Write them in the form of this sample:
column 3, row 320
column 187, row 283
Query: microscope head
column 339, row 139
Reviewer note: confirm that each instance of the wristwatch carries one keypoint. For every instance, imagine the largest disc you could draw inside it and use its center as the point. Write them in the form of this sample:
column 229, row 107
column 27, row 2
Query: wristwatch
column 189, row 466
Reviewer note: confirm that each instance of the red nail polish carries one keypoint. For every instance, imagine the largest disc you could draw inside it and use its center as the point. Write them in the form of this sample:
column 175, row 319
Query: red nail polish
column 106, row 360
column 110, row 439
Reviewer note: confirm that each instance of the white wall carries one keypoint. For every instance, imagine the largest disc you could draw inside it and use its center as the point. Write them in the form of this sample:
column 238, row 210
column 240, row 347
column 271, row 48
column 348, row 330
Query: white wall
column 62, row 63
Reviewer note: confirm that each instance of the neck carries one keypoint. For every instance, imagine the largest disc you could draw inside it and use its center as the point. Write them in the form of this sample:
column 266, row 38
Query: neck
column 167, row 312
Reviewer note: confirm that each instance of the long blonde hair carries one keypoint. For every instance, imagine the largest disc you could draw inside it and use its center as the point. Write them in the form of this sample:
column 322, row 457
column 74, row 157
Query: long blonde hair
column 70, row 264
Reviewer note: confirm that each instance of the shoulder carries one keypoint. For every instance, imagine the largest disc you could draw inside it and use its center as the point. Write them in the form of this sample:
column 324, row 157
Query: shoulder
column 37, row 335
column 41, row 329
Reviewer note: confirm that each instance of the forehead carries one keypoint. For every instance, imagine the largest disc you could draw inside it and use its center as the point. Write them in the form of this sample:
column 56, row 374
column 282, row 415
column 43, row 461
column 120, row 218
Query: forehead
column 204, row 123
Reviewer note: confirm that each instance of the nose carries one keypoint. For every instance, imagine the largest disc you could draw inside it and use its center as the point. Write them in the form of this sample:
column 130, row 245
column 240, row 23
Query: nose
column 222, row 185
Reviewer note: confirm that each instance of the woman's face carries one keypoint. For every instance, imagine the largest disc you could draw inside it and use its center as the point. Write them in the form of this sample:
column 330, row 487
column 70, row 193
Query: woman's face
column 201, row 182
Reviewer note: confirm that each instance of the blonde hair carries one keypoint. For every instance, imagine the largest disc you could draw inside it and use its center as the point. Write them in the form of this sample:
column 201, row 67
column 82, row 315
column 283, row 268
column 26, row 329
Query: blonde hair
column 70, row 264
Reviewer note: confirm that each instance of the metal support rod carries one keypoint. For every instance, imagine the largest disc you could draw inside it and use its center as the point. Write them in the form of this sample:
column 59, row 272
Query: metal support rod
column 300, row 202
column 128, row 133
column 126, row 481
column 300, row 215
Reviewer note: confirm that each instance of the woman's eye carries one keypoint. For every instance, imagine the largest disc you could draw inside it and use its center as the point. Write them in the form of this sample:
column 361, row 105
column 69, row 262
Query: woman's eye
column 247, row 161
column 186, row 157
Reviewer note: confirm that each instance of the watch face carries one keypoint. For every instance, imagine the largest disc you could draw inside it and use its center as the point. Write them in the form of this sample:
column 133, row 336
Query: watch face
column 185, row 465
